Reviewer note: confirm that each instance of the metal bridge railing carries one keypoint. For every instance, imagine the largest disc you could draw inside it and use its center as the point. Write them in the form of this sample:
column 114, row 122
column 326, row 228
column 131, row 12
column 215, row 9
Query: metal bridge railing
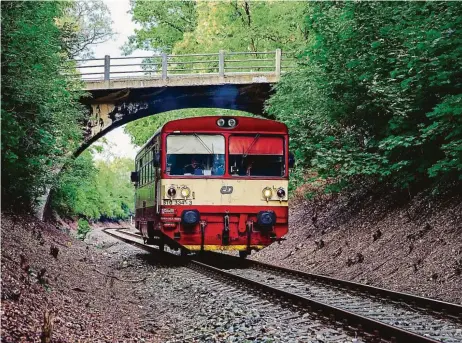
column 165, row 66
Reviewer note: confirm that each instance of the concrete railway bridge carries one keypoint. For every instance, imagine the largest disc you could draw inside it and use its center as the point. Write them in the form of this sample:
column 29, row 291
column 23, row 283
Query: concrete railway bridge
column 124, row 89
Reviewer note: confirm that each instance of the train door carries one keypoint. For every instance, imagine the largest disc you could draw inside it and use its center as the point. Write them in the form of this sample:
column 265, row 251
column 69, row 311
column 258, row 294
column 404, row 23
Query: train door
column 156, row 183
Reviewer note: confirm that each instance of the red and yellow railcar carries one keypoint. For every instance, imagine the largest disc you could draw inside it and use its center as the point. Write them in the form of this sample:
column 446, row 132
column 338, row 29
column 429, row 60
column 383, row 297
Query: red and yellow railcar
column 214, row 183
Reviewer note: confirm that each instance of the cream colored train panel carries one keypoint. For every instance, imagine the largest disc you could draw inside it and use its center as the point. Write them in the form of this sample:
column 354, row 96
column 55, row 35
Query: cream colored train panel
column 224, row 192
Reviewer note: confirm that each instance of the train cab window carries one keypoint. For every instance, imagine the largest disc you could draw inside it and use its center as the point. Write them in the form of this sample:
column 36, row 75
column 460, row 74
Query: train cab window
column 256, row 155
column 195, row 155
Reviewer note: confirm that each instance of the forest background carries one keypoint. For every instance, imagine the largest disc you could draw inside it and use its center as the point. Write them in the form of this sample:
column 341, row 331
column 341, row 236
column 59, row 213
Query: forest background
column 375, row 98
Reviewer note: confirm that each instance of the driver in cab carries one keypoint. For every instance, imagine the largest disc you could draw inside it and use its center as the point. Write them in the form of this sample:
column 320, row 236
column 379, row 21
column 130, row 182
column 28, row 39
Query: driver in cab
column 195, row 168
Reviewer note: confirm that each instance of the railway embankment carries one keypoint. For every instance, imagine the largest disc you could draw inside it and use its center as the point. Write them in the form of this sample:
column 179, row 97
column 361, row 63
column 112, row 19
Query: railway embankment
column 55, row 285
column 378, row 238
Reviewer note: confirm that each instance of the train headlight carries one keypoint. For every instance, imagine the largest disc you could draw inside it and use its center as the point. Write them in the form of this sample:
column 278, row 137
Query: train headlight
column 171, row 192
column 185, row 192
column 221, row 122
column 267, row 193
column 281, row 192
column 232, row 122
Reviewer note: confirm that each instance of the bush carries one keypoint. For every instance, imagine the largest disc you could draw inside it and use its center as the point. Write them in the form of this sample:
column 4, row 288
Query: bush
column 83, row 229
column 377, row 94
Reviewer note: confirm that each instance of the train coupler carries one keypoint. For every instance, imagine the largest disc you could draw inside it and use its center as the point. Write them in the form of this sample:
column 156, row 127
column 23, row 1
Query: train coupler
column 249, row 227
column 203, row 224
column 177, row 236
column 225, row 234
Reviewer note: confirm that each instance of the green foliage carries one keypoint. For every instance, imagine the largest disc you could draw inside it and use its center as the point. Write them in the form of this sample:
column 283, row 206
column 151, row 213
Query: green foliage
column 203, row 26
column 83, row 24
column 141, row 130
column 100, row 190
column 163, row 23
column 40, row 106
column 83, row 228
column 245, row 26
column 377, row 92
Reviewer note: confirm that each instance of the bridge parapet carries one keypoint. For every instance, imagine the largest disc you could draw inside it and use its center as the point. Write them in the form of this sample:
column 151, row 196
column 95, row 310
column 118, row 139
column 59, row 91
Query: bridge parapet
column 184, row 70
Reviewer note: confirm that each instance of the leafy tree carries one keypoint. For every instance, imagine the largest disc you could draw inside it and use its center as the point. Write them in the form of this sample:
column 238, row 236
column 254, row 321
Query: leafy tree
column 84, row 23
column 245, row 26
column 115, row 189
column 95, row 190
column 163, row 23
column 203, row 26
column 76, row 192
column 40, row 106
column 377, row 92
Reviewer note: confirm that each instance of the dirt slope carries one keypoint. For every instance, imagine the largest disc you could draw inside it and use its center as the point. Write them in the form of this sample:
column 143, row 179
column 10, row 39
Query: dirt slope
column 385, row 240
column 76, row 287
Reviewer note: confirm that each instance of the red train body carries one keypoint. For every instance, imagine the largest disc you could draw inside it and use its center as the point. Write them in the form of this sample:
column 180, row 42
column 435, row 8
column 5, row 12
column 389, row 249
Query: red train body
column 214, row 183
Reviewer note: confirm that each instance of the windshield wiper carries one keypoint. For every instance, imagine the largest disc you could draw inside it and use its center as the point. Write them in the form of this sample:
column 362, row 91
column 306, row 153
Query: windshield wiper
column 203, row 143
column 244, row 155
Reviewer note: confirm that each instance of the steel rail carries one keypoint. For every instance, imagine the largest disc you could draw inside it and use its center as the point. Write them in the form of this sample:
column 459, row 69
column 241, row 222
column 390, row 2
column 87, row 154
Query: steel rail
column 251, row 60
column 349, row 319
column 425, row 303
column 90, row 59
column 186, row 69
column 194, row 55
column 193, row 62
column 250, row 53
column 249, row 67
column 96, row 66
column 371, row 326
column 136, row 57
column 133, row 65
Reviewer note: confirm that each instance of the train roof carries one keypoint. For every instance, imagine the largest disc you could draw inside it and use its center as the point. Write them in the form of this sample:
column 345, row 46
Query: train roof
column 209, row 124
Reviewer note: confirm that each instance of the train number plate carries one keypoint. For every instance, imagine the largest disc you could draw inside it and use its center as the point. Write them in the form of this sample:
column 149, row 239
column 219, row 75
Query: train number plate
column 176, row 202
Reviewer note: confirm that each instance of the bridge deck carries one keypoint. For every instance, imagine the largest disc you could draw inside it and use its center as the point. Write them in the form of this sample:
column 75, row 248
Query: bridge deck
column 209, row 79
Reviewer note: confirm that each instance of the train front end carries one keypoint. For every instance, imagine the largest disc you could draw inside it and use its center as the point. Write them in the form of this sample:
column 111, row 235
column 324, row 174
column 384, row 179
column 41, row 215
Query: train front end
column 224, row 183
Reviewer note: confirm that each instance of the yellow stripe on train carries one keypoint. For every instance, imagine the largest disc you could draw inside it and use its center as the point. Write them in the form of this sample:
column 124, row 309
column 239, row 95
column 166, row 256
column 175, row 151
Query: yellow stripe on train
column 223, row 247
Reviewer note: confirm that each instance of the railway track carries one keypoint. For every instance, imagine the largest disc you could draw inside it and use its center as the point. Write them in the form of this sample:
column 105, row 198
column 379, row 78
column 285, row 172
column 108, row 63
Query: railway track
column 376, row 314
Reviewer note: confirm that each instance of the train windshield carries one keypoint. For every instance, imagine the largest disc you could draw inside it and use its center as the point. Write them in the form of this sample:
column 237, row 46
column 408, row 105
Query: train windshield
column 256, row 155
column 195, row 154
